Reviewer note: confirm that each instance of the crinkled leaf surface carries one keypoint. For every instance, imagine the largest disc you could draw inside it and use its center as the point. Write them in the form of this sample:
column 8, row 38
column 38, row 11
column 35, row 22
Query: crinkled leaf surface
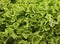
column 29, row 21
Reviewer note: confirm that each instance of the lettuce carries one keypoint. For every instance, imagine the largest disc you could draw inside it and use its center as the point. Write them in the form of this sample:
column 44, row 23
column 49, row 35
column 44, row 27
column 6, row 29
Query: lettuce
column 29, row 21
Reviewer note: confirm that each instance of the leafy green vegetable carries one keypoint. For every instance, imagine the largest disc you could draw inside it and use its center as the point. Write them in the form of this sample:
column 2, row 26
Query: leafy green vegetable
column 29, row 21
